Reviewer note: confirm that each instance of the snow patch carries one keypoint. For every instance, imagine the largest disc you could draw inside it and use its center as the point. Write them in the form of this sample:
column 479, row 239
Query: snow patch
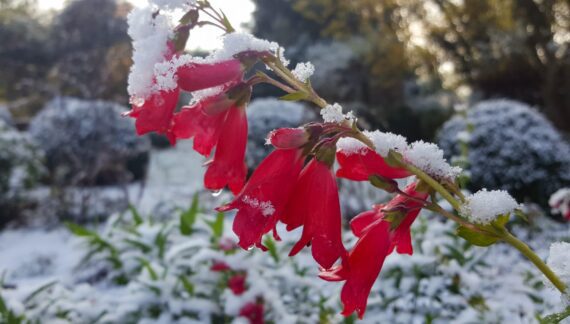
column 384, row 142
column 333, row 114
column 303, row 71
column 559, row 262
column 429, row 158
column 484, row 206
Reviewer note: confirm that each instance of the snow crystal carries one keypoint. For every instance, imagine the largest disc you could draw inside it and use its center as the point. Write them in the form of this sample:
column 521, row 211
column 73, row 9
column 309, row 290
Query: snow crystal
column 150, row 35
column 484, row 206
column 384, row 142
column 266, row 207
column 333, row 114
column 559, row 262
column 429, row 158
column 303, row 71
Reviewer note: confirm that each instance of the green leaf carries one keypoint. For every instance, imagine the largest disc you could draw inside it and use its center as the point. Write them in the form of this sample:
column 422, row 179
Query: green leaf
column 294, row 96
column 136, row 216
column 188, row 286
column 79, row 230
column 38, row 291
column 555, row 318
column 140, row 245
column 217, row 226
column 502, row 220
column 271, row 247
column 188, row 217
column 149, row 268
column 476, row 238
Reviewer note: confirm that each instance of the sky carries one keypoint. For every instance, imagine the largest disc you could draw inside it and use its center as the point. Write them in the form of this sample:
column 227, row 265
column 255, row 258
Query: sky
column 207, row 38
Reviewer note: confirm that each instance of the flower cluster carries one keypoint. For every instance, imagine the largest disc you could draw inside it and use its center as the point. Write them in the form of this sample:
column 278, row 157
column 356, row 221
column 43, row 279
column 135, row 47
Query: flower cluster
column 296, row 183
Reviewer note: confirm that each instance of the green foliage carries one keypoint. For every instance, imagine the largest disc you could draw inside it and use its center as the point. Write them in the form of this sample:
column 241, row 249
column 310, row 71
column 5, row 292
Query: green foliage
column 188, row 217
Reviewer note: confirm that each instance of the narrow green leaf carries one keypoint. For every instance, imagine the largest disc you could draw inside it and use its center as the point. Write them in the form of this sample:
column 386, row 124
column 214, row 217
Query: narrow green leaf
column 140, row 245
column 79, row 230
column 555, row 318
column 271, row 247
column 188, row 286
column 188, row 217
column 294, row 96
column 136, row 216
column 38, row 291
column 476, row 238
column 149, row 268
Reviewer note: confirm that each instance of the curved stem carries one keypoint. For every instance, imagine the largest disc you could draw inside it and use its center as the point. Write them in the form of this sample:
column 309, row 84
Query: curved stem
column 535, row 259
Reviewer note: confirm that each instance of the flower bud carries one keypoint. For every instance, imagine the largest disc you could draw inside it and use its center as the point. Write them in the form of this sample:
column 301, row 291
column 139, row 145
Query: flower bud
column 287, row 138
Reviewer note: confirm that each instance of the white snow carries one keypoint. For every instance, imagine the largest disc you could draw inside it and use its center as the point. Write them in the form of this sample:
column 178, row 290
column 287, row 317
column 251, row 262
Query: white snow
column 429, row 158
column 559, row 261
column 172, row 4
column 349, row 146
column 485, row 206
column 333, row 114
column 303, row 71
column 150, row 36
column 384, row 142
column 266, row 207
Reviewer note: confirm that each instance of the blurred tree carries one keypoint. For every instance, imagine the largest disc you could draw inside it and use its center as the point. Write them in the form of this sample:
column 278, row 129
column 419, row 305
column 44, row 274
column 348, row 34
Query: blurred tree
column 500, row 48
column 82, row 51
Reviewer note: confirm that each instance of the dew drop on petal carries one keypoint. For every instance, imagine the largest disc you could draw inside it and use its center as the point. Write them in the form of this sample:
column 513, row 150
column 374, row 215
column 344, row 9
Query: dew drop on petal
column 217, row 193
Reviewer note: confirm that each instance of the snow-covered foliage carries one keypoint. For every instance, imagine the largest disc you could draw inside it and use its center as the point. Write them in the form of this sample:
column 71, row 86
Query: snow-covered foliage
column 85, row 141
column 559, row 262
column 484, row 206
column 267, row 114
column 429, row 158
column 178, row 270
column 512, row 147
column 138, row 270
column 21, row 165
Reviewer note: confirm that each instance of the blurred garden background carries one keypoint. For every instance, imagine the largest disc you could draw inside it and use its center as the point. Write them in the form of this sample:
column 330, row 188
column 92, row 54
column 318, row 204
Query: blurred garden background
column 100, row 225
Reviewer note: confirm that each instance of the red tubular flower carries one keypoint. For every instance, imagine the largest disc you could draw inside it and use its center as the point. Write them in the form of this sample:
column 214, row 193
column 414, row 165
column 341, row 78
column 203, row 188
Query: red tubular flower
column 377, row 239
column 228, row 166
column 219, row 266
column 253, row 312
column 262, row 200
column 195, row 76
column 358, row 166
column 237, row 283
column 155, row 113
column 200, row 123
column 315, row 205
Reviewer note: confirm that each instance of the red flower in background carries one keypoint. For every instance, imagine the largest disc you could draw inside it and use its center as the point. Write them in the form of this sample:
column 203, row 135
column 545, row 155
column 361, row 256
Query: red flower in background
column 358, row 166
column 253, row 312
column 237, row 283
column 219, row 266
column 315, row 205
column 377, row 239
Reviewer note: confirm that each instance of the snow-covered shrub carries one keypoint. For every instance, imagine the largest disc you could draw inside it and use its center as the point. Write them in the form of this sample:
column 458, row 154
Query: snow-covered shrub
column 512, row 147
column 20, row 168
column 267, row 114
column 88, row 142
column 187, row 269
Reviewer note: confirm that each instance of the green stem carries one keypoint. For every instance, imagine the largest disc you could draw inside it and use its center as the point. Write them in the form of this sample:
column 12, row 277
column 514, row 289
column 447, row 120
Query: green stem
column 535, row 259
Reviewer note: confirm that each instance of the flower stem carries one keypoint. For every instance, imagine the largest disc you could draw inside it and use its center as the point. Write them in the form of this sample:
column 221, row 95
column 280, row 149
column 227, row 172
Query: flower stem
column 535, row 259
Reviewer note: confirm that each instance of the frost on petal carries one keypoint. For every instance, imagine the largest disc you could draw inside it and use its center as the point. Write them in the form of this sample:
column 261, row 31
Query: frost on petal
column 303, row 71
column 429, row 158
column 262, row 200
column 484, row 206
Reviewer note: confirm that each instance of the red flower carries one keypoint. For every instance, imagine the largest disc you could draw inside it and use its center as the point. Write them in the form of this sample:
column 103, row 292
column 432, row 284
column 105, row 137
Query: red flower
column 253, row 312
column 377, row 239
column 228, row 166
column 200, row 122
column 237, row 283
column 219, row 266
column 358, row 166
column 262, row 201
column 315, row 206
column 193, row 77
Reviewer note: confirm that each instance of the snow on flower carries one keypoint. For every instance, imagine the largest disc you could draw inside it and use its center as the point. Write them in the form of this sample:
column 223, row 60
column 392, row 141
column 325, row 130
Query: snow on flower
column 303, row 71
column 559, row 261
column 150, row 34
column 333, row 114
column 560, row 202
column 484, row 206
column 172, row 4
column 266, row 207
column 384, row 142
column 429, row 158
